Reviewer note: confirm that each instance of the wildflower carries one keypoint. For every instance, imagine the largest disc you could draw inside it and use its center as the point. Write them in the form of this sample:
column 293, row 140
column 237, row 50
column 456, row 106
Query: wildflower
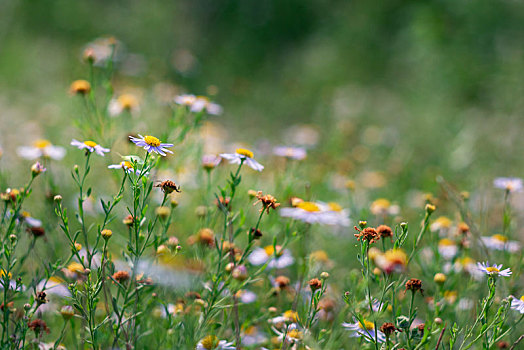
column 106, row 234
column 288, row 316
column 205, row 237
column 441, row 224
column 102, row 50
column 36, row 231
column 162, row 212
column 121, row 276
column 414, row 285
column 198, row 104
column 168, row 186
column 510, row 184
column 293, row 335
column 384, row 231
column 268, row 202
column 500, row 242
column 517, row 304
column 211, row 342
column 388, row 328
column 54, row 286
column 37, row 169
column 151, row 144
column 383, row 206
column 38, row 326
column 126, row 166
column 296, row 153
column 124, row 102
column 242, row 155
column 210, row 161
column 368, row 234
column 128, row 220
column 67, row 312
column 281, row 282
column 317, row 212
column 256, row 234
column 40, row 297
column 246, row 296
column 393, row 260
column 439, row 278
column 240, row 273
column 366, row 330
column 90, row 146
column 495, row 270
column 315, row 284
column 80, row 87
column 41, row 148
column 281, row 257
column 447, row 248
column 252, row 336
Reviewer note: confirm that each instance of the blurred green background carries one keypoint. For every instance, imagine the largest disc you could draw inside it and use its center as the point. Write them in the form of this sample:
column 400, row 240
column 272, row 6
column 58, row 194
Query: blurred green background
column 437, row 85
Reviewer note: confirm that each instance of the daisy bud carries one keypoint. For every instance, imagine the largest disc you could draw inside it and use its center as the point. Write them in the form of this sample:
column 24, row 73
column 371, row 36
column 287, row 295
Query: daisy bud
column 324, row 275
column 162, row 212
column 80, row 87
column 272, row 310
column 57, row 198
column 430, row 208
column 403, row 225
column 162, row 249
column 240, row 273
column 362, row 223
column 252, row 194
column 174, row 203
column 75, row 168
column 27, row 307
column 37, row 169
column 229, row 267
column 377, row 271
column 78, row 246
column 13, row 238
column 439, row 278
column 438, row 320
column 106, row 234
column 87, row 272
column 172, row 242
column 89, row 55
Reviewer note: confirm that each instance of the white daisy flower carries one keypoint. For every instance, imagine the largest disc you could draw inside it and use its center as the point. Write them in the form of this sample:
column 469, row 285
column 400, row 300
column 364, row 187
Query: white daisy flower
column 317, row 212
column 517, row 304
column 442, row 225
column 252, row 336
column 495, row 270
column 90, row 146
column 246, row 296
column 292, row 333
column 510, row 184
column 198, row 104
column 447, row 248
column 151, row 144
column 124, row 102
column 297, row 153
column 126, row 166
column 41, row 148
column 366, row 330
column 288, row 316
column 29, row 220
column 260, row 256
column 213, row 343
column 243, row 155
column 500, row 242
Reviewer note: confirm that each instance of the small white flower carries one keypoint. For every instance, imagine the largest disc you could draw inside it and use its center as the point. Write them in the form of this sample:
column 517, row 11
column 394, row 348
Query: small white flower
column 510, row 184
column 517, row 304
column 366, row 330
column 260, row 256
column 317, row 212
column 90, row 146
column 243, row 155
column 212, row 343
column 151, row 144
column 124, row 102
column 500, row 242
column 246, row 296
column 198, row 104
column 126, row 166
column 297, row 153
column 41, row 148
column 495, row 270
column 54, row 286
column 447, row 248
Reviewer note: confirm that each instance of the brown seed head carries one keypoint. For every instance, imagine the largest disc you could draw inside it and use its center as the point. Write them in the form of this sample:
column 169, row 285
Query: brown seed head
column 282, row 281
column 367, row 234
column 268, row 202
column 168, row 186
column 384, row 231
column 414, row 285
column 315, row 284
column 38, row 326
column 388, row 328
column 121, row 276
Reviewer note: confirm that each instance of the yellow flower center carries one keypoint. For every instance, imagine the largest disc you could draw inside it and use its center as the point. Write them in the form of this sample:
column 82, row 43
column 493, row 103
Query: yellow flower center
column 492, row 269
column 75, row 267
column 2, row 274
column 244, row 152
column 127, row 165
column 210, row 342
column 319, row 255
column 446, row 242
column 467, row 261
column 381, row 203
column 443, row 222
column 41, row 143
column 152, row 141
column 54, row 280
column 291, row 315
column 308, row 206
column 522, row 298
column 500, row 238
column 270, row 250
column 367, row 325
column 334, row 206
column 90, row 143
column 294, row 334
column 127, row 101
column 396, row 256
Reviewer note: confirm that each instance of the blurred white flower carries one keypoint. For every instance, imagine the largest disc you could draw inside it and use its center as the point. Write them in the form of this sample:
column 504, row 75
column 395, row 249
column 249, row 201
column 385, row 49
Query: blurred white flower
column 510, row 184
column 500, row 242
column 279, row 259
column 41, row 148
column 296, row 153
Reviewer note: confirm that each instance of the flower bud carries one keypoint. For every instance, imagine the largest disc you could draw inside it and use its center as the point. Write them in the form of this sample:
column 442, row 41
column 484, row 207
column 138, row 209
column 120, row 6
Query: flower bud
column 439, row 278
column 324, row 275
column 57, row 198
column 67, row 312
column 106, row 234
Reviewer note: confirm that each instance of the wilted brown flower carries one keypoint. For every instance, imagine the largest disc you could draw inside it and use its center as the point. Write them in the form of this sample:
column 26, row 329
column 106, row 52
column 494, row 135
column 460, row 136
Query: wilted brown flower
column 388, row 328
column 80, row 87
column 315, row 284
column 257, row 234
column 168, row 186
column 268, row 202
column 414, row 285
column 368, row 234
column 38, row 326
column 121, row 276
column 384, row 231
column 282, row 282
column 36, row 231
column 41, row 297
